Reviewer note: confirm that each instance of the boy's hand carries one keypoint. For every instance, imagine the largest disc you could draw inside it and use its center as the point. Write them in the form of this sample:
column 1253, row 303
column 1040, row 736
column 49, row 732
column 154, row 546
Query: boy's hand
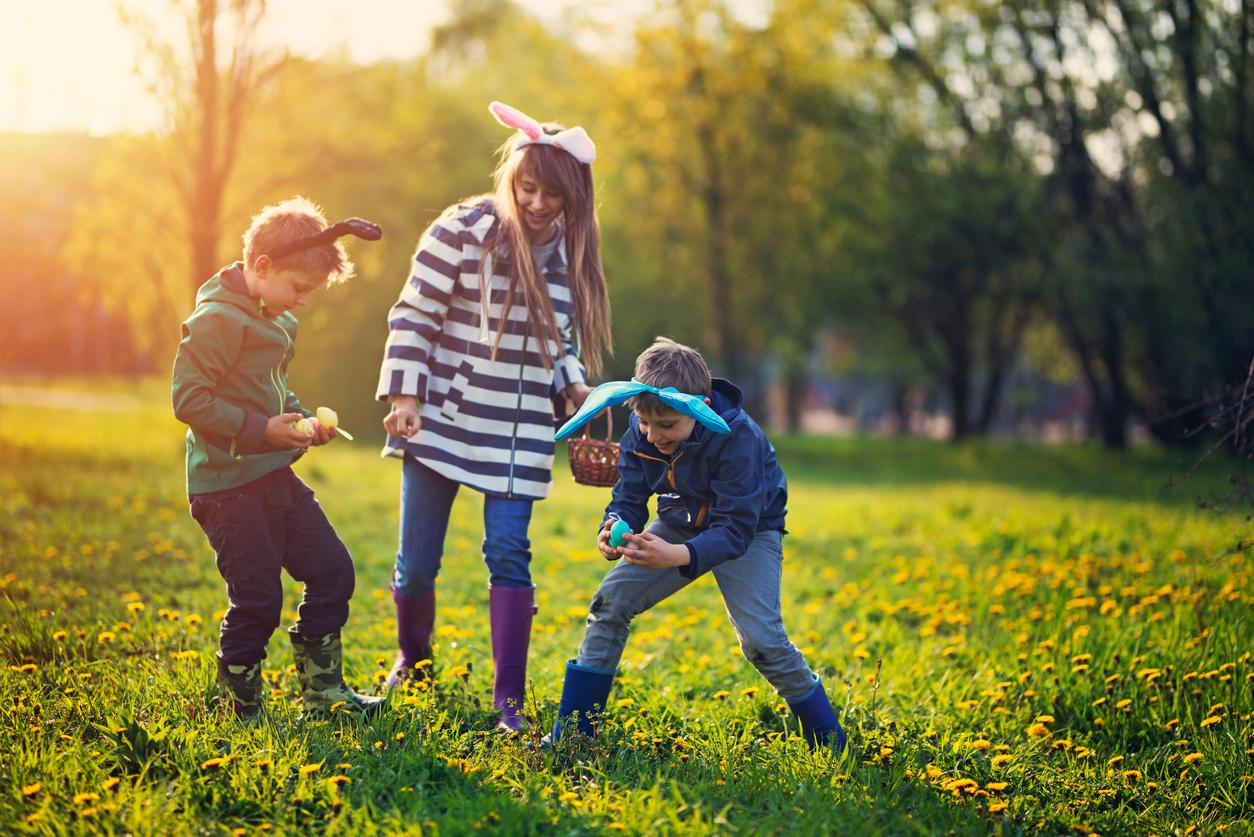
column 280, row 433
column 608, row 552
column 648, row 550
column 322, row 435
column 403, row 420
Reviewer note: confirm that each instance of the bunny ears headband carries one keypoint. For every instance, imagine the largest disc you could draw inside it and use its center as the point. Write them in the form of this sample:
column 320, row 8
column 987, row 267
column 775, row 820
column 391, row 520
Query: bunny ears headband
column 574, row 141
column 353, row 226
column 611, row 393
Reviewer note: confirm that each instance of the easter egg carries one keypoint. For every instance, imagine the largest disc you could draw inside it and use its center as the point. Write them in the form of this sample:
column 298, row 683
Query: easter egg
column 328, row 418
column 305, row 426
column 620, row 528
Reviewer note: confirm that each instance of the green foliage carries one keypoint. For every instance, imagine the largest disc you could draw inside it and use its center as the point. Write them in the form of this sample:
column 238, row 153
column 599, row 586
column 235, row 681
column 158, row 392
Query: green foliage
column 1019, row 638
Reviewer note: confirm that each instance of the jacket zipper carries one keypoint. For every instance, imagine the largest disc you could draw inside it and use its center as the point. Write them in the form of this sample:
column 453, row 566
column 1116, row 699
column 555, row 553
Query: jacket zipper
column 513, row 436
column 670, row 465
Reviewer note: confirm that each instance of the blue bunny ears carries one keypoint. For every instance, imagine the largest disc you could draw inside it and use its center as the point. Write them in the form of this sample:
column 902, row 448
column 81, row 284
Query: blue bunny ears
column 612, row 393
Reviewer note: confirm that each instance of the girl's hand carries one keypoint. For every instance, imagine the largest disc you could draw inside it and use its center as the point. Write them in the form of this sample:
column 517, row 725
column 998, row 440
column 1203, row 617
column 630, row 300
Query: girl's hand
column 577, row 393
column 280, row 433
column 608, row 552
column 648, row 550
column 403, row 420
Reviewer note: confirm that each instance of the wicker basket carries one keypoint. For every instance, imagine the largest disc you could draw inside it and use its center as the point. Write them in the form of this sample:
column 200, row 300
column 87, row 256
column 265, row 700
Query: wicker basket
column 594, row 461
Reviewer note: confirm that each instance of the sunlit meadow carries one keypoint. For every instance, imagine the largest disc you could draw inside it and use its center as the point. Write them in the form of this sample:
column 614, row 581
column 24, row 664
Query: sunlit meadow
column 1020, row 638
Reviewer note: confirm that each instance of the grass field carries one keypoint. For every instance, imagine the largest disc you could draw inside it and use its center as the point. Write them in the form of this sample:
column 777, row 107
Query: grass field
column 1022, row 639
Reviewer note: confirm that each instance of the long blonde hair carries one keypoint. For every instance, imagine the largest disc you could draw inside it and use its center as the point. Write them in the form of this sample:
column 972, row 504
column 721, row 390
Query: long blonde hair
column 557, row 171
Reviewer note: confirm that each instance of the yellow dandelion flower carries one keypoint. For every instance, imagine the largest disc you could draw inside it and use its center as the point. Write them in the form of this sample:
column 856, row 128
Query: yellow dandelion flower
column 1038, row 731
column 624, row 703
column 996, row 786
column 337, row 706
column 934, row 772
column 1132, row 774
column 981, row 744
column 105, row 637
column 1062, row 744
column 1044, row 719
column 1192, row 757
column 1211, row 721
column 59, row 636
column 721, row 694
column 997, row 807
column 80, row 798
column 1172, row 724
column 337, row 780
column 1099, row 701
column 1114, row 760
column 111, row 783
column 31, row 789
column 1124, row 704
column 307, row 769
column 135, row 607
column 87, row 812
column 1001, row 759
column 568, row 796
column 749, row 692
column 214, row 763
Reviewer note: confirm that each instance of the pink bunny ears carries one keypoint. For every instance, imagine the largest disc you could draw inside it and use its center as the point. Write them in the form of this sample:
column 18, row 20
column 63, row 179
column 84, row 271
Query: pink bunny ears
column 574, row 141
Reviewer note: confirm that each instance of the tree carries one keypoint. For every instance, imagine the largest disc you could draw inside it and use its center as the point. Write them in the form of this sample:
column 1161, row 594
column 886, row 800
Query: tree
column 207, row 84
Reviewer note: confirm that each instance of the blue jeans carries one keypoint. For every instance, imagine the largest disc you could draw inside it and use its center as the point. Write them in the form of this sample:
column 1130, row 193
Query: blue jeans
column 426, row 499
column 750, row 586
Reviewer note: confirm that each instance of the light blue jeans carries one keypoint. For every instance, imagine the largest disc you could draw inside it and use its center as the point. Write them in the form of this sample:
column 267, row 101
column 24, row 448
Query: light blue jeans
column 426, row 499
column 750, row 586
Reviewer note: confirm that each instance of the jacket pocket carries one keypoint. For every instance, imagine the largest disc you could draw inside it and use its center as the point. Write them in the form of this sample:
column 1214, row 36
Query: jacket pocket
column 457, row 390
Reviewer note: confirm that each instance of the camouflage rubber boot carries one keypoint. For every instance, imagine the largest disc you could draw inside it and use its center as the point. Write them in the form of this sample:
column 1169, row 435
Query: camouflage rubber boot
column 240, row 688
column 319, row 667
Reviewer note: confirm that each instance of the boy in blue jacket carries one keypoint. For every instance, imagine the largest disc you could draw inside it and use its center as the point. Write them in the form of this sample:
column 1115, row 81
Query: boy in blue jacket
column 720, row 509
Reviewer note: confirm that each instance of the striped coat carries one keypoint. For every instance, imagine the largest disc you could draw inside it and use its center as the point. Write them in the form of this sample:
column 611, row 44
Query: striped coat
column 486, row 423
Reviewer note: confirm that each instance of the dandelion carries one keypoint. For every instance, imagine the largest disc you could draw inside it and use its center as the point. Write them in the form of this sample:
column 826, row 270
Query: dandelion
column 105, row 637
column 981, row 744
column 749, row 692
column 1211, row 721
column 1172, row 724
column 1114, row 760
column 997, row 807
column 337, row 780
column 307, row 769
column 1038, row 731
column 59, row 636
column 1124, row 704
column 1062, row 744
column 135, row 607
column 1192, row 757
column 215, row 763
column 110, row 784
column 999, row 760
column 32, row 789
column 568, row 796
column 1044, row 719
column 1132, row 774
column 721, row 694
column 624, row 703
column 80, row 798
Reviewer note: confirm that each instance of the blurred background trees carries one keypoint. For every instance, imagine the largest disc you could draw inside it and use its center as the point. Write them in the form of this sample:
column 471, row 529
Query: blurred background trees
column 962, row 205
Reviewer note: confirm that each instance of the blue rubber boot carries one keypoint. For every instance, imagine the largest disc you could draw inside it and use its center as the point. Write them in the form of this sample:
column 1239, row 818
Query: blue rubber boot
column 585, row 692
column 818, row 720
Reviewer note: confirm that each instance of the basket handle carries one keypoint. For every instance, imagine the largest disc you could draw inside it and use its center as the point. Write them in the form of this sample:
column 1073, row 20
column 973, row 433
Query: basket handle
column 609, row 424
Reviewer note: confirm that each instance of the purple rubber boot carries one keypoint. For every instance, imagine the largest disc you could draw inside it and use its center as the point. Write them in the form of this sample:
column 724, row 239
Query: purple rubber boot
column 415, row 619
column 510, row 610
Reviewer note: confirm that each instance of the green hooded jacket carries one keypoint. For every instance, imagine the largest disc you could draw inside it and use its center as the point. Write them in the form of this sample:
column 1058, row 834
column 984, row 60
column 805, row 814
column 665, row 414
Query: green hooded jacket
column 230, row 377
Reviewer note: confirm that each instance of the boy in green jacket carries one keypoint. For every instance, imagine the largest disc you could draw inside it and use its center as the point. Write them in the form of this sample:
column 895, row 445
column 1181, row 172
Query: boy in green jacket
column 230, row 388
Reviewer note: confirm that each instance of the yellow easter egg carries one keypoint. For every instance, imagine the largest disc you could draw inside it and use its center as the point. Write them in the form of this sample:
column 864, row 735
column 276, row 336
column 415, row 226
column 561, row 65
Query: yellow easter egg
column 327, row 417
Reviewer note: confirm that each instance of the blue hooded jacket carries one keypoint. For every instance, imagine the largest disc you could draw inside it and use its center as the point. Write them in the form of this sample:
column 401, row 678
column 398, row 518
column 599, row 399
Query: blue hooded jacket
column 727, row 486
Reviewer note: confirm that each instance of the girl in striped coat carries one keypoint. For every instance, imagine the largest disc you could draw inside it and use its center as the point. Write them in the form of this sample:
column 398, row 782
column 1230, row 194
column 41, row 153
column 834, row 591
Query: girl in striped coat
column 506, row 291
